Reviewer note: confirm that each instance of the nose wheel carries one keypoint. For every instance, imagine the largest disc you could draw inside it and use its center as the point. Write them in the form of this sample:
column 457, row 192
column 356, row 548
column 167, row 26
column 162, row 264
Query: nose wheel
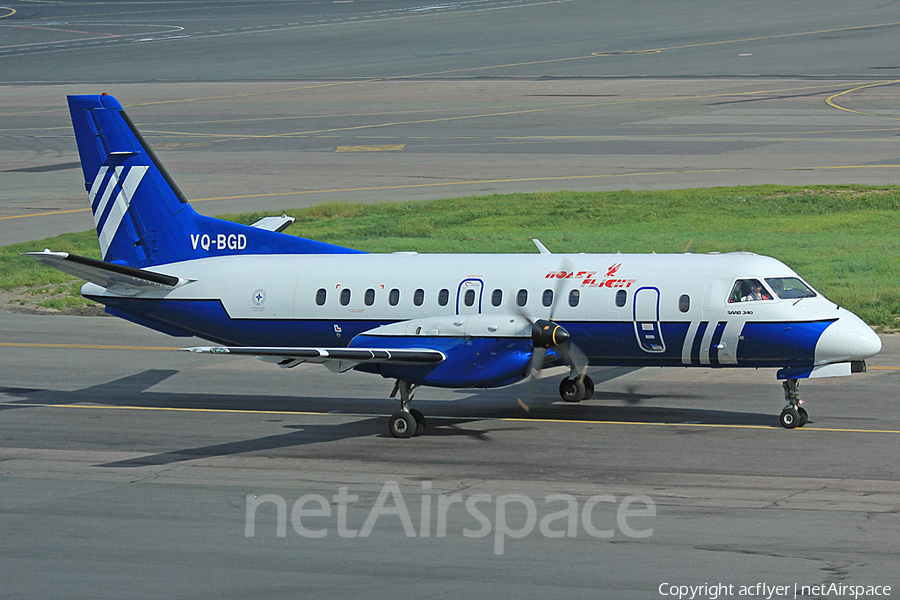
column 793, row 414
column 408, row 422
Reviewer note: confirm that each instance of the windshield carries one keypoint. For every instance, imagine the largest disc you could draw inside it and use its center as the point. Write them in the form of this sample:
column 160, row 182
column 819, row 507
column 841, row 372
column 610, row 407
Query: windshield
column 747, row 290
column 790, row 288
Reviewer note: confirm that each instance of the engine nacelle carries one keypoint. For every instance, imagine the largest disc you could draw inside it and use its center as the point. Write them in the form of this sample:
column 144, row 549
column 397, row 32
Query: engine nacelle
column 483, row 351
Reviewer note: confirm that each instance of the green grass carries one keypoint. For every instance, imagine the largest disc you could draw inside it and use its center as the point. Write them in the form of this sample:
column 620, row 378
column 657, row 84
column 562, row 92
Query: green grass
column 842, row 239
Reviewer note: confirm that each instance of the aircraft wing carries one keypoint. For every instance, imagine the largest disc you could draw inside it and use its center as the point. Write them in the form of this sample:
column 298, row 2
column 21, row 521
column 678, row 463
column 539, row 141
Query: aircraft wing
column 108, row 275
column 336, row 359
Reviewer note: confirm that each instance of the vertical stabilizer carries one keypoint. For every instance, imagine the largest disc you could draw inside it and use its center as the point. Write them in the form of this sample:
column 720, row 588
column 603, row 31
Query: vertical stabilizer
column 141, row 216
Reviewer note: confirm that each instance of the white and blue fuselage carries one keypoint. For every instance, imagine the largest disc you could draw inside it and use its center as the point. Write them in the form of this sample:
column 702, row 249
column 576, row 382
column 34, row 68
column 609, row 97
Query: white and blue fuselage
column 449, row 320
column 653, row 310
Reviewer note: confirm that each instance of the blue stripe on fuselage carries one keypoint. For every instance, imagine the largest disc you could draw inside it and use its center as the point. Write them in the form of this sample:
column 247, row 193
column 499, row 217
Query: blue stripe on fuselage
column 697, row 343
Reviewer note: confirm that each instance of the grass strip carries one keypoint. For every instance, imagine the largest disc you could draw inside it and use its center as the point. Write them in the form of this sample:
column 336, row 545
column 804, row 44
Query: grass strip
column 842, row 239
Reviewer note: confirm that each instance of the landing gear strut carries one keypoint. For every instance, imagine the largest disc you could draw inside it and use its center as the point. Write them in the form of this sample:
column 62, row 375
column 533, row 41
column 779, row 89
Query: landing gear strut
column 409, row 422
column 577, row 389
column 793, row 414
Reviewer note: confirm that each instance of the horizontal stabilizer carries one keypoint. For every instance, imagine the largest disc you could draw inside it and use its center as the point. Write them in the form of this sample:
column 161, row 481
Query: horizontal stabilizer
column 276, row 224
column 108, row 275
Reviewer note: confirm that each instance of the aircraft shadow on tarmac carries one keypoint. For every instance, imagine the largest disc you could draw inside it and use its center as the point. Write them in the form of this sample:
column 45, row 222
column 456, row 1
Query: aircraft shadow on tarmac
column 444, row 417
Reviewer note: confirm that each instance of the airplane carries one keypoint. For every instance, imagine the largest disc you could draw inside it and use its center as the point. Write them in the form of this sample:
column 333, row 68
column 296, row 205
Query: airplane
column 443, row 320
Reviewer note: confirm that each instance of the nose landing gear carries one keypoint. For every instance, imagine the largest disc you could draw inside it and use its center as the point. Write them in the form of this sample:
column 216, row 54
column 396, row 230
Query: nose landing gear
column 793, row 414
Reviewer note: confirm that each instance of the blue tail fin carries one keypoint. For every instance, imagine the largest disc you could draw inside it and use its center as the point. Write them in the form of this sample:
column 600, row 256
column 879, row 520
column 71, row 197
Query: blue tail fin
column 141, row 216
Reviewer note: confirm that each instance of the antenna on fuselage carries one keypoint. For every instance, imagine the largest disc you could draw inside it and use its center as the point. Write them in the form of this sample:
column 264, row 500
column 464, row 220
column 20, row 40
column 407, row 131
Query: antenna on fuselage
column 541, row 248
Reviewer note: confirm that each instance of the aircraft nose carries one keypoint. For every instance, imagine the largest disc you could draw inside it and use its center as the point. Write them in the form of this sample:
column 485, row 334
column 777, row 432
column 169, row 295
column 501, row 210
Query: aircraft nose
column 860, row 340
column 849, row 338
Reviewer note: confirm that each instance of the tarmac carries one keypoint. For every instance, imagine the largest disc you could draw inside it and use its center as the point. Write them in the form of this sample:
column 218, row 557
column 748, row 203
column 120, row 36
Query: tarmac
column 131, row 470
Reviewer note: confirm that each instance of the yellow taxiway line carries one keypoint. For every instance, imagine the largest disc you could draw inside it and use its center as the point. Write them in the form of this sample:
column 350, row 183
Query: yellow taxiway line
column 506, row 419
column 830, row 99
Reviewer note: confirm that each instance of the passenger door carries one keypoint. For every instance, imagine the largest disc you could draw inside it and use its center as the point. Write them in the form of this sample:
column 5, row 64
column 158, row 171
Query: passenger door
column 468, row 297
column 646, row 320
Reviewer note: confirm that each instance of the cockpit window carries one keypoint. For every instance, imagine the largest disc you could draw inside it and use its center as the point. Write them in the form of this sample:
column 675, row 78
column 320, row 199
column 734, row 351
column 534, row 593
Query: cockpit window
column 790, row 288
column 748, row 290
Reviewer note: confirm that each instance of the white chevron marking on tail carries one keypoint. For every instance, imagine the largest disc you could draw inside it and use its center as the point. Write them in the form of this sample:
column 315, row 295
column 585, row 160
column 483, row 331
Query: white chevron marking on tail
column 104, row 198
column 95, row 187
column 120, row 205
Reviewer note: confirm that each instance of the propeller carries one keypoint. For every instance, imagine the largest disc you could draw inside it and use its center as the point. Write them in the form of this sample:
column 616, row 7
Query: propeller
column 547, row 334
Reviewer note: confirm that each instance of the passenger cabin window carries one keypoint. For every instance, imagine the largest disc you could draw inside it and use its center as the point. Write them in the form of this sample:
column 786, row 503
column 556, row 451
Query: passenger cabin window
column 684, row 303
column 469, row 298
column 749, row 290
column 321, row 295
column 574, row 298
column 547, row 297
column 419, row 297
column 394, row 297
column 370, row 297
column 496, row 297
column 621, row 298
column 522, row 298
column 790, row 288
column 443, row 297
column 345, row 296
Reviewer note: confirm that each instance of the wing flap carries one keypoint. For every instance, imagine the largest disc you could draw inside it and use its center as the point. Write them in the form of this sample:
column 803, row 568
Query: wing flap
column 341, row 358
column 108, row 275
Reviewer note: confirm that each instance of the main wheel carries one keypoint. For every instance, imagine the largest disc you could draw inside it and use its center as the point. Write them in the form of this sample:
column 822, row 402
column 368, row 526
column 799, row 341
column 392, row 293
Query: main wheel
column 588, row 387
column 402, row 425
column 804, row 416
column 420, row 421
column 572, row 390
column 790, row 418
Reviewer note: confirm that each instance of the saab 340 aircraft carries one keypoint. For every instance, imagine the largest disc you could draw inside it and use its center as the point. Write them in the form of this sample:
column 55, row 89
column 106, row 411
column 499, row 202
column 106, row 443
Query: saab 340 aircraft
column 456, row 321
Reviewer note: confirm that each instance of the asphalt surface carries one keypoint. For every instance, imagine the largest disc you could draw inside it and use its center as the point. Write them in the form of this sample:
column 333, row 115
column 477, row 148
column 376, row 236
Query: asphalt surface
column 127, row 469
column 279, row 105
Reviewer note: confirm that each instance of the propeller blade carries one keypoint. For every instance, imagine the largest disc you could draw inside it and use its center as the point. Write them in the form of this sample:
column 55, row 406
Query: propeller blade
column 571, row 354
column 575, row 358
column 529, row 386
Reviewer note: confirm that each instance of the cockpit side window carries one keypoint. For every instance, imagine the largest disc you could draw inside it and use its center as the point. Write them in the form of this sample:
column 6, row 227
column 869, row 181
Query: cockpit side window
column 748, row 290
column 790, row 288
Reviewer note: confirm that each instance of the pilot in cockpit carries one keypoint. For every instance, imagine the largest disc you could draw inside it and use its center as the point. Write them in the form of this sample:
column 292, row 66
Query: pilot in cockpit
column 756, row 293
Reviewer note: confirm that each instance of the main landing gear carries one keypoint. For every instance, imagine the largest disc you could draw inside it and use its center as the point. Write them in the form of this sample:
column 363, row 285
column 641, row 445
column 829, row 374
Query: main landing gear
column 793, row 414
column 409, row 422
column 577, row 389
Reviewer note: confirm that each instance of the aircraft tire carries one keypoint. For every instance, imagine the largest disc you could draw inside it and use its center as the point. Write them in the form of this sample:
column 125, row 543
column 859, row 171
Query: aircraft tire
column 420, row 421
column 402, row 425
column 790, row 418
column 804, row 416
column 572, row 390
column 588, row 387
